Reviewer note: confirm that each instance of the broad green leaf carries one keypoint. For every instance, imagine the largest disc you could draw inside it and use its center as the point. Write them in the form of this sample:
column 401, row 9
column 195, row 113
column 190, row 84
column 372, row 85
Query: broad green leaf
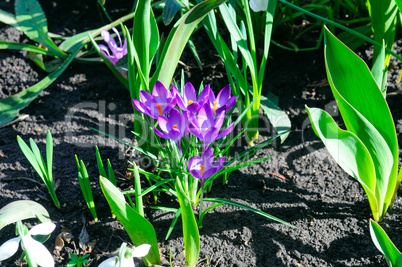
column 83, row 179
column 71, row 43
column 277, row 117
column 237, row 204
column 365, row 113
column 21, row 210
column 177, row 40
column 10, row 106
column 384, row 244
column 32, row 21
column 138, row 228
column 170, row 10
column 348, row 151
column 31, row 157
column 383, row 22
column 190, row 227
column 9, row 19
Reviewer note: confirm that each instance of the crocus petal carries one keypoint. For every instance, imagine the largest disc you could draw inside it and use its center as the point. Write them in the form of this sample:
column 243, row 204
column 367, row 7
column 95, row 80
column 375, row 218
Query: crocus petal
column 204, row 95
column 189, row 93
column 160, row 134
column 9, row 248
column 117, row 33
column 194, row 130
column 179, row 98
column 141, row 251
column 108, row 38
column 174, row 134
column 208, row 153
column 175, row 118
column 194, row 107
column 146, row 97
column 40, row 254
column 220, row 162
column 162, row 121
column 196, row 174
column 193, row 162
column 42, row 229
column 208, row 173
column 230, row 103
column 111, row 262
column 223, row 96
column 104, row 50
column 160, row 92
column 142, row 108
column 226, row 131
column 258, row 5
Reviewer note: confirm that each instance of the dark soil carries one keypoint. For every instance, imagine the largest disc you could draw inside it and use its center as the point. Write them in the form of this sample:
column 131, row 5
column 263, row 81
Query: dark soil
column 300, row 184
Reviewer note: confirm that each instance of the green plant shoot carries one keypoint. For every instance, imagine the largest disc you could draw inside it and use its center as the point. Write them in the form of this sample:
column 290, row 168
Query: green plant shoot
column 368, row 149
column 43, row 169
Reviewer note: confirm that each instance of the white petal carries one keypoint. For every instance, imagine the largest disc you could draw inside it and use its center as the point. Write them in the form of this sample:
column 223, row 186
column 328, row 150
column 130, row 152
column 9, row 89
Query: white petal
column 9, row 248
column 42, row 229
column 39, row 252
column 141, row 251
column 258, row 5
column 127, row 262
column 111, row 262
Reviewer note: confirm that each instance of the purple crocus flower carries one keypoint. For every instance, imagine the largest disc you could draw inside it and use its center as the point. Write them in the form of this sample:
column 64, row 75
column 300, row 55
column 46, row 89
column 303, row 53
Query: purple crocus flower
column 117, row 51
column 189, row 101
column 223, row 101
column 159, row 103
column 174, row 127
column 204, row 167
column 206, row 127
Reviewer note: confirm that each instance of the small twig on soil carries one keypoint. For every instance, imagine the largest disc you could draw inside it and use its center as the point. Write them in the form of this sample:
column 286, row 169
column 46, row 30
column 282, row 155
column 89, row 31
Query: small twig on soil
column 279, row 176
column 395, row 93
column 20, row 178
column 23, row 117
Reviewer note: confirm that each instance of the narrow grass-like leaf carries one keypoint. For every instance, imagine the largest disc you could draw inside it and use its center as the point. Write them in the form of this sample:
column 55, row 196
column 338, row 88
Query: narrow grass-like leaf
column 154, row 186
column 112, row 176
column 173, row 224
column 190, row 227
column 73, row 42
column 384, row 244
column 101, row 168
column 239, row 205
column 379, row 71
column 8, row 18
column 49, row 154
column 138, row 228
column 25, row 47
column 21, row 210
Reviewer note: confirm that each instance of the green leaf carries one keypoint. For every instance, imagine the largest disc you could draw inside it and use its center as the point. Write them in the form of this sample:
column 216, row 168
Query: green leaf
column 170, row 10
column 190, row 227
column 21, row 210
column 353, row 41
column 31, row 157
column 239, row 205
column 32, row 21
column 177, row 40
column 25, row 47
column 138, row 228
column 277, row 117
column 365, row 113
column 348, row 151
column 101, row 168
column 379, row 71
column 10, row 106
column 49, row 154
column 85, row 185
column 8, row 18
column 71, row 43
column 383, row 22
column 384, row 244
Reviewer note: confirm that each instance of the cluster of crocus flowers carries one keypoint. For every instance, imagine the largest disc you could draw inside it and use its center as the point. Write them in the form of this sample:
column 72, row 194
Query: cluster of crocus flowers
column 180, row 114
column 115, row 52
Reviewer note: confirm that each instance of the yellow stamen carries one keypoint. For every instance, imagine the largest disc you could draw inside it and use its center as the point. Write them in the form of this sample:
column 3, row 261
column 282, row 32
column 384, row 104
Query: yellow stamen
column 190, row 102
column 206, row 129
column 202, row 169
column 215, row 104
column 174, row 126
column 159, row 108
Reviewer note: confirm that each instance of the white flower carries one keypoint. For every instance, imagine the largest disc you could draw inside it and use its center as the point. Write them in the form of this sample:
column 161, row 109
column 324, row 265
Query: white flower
column 138, row 252
column 259, row 5
column 39, row 253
